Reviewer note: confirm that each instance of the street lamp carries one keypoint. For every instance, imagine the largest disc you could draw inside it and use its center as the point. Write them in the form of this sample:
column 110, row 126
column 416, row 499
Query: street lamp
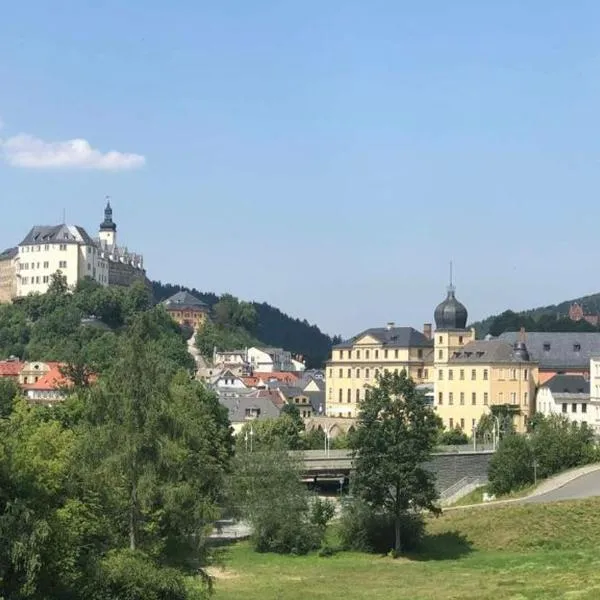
column 251, row 437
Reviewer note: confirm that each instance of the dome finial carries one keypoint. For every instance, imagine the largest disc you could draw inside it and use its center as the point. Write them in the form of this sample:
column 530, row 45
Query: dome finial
column 451, row 288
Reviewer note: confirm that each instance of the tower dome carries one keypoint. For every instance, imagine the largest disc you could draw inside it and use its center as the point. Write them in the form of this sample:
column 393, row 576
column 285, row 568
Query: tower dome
column 108, row 224
column 450, row 314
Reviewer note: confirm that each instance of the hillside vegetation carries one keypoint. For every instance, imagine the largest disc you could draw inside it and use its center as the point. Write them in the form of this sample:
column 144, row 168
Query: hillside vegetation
column 269, row 327
column 553, row 317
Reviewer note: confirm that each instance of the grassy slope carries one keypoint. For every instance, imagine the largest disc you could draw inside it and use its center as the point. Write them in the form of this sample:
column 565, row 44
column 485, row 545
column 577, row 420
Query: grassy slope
column 511, row 552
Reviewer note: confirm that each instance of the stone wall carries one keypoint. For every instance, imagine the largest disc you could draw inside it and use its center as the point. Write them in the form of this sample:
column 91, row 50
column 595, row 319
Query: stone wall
column 8, row 280
column 451, row 468
column 124, row 274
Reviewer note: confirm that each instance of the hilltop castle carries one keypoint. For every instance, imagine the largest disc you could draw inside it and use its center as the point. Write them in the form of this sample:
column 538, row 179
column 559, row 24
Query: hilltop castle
column 68, row 249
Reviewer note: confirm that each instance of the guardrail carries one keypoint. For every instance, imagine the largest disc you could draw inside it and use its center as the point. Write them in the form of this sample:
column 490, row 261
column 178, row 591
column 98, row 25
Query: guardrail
column 460, row 485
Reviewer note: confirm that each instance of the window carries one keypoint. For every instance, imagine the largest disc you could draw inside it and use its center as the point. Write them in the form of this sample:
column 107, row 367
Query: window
column 419, row 373
column 440, row 398
column 24, row 280
column 460, row 339
column 450, row 374
column 473, row 374
column 425, row 373
column 385, row 354
column 450, row 398
column 395, row 353
column 441, row 340
column 420, row 353
column 376, row 353
column 513, row 397
column 367, row 354
column 89, row 268
column 485, row 398
column 349, row 395
column 376, row 372
column 450, row 423
column 440, row 375
column 574, row 407
column 330, row 394
column 330, row 372
column 341, row 355
column 513, row 373
column 341, row 373
column 46, row 264
column 576, row 347
column 366, row 373
column 358, row 395
column 349, row 353
column 462, row 423
column 62, row 264
column 525, row 374
column 461, row 374
column 473, row 398
column 37, row 278
column 45, row 278
column 500, row 397
column 47, row 247
column 564, row 407
column 358, row 354
column 358, row 373
column 485, row 374
column 525, row 398
column 62, row 247
column 340, row 394
column 546, row 347
column 462, row 398
column 583, row 407
column 349, row 373
column 440, row 354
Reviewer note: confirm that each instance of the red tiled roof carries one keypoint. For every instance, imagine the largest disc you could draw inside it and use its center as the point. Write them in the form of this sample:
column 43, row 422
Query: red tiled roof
column 10, row 368
column 52, row 380
column 287, row 377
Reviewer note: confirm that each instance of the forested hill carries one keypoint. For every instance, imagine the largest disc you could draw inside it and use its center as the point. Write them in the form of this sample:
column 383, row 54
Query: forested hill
column 553, row 317
column 272, row 327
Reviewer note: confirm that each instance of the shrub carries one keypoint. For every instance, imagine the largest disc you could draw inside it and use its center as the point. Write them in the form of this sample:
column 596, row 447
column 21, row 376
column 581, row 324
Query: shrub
column 511, row 467
column 367, row 530
column 131, row 575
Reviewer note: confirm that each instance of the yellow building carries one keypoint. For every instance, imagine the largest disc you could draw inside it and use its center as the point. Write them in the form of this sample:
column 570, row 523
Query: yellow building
column 356, row 363
column 471, row 376
column 187, row 310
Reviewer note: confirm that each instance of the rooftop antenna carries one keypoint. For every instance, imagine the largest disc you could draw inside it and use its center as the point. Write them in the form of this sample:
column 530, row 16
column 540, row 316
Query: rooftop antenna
column 451, row 286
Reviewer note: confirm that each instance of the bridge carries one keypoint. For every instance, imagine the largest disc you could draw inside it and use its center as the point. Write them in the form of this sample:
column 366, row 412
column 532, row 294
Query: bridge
column 450, row 464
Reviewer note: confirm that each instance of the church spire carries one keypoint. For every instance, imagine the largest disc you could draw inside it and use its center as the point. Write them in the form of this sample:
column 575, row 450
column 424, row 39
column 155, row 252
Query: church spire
column 108, row 224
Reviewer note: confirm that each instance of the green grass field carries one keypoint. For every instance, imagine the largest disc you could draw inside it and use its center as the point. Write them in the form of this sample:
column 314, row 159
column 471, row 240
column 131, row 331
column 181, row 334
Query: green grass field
column 509, row 553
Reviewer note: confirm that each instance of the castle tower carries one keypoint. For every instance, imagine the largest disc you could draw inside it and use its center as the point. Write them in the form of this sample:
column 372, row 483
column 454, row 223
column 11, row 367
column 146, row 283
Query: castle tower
column 108, row 228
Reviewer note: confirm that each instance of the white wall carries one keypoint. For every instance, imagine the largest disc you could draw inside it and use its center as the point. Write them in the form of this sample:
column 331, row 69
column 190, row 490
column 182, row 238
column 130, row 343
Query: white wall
column 547, row 404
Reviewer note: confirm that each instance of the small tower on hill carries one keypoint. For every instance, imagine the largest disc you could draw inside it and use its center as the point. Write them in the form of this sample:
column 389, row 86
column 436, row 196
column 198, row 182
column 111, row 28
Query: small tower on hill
column 108, row 228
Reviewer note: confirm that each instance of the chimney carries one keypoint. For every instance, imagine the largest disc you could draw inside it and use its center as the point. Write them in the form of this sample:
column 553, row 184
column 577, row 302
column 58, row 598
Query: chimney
column 522, row 334
column 390, row 325
column 427, row 330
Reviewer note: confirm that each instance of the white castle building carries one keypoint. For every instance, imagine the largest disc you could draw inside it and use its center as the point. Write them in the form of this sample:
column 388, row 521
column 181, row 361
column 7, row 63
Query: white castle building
column 69, row 249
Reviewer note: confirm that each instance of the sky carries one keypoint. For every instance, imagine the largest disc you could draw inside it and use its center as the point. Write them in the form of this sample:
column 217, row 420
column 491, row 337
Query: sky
column 328, row 157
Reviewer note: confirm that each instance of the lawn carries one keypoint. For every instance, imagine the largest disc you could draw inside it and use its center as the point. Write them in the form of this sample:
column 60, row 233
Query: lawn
column 511, row 552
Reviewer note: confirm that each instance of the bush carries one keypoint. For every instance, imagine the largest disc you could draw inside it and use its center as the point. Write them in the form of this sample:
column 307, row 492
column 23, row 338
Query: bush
column 366, row 530
column 131, row 575
column 511, row 467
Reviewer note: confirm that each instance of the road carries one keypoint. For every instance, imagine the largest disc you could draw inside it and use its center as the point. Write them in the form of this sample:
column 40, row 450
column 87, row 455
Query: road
column 585, row 486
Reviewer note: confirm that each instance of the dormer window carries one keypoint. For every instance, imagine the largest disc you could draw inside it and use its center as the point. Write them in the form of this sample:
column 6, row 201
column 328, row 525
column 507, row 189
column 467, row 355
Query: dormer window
column 546, row 346
column 576, row 347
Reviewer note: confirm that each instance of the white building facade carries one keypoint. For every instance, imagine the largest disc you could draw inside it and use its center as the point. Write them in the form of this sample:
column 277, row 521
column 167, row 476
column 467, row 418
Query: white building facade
column 269, row 360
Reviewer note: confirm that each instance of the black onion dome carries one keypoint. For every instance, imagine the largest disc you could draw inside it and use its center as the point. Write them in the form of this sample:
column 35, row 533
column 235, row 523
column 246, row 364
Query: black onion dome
column 521, row 352
column 108, row 224
column 450, row 314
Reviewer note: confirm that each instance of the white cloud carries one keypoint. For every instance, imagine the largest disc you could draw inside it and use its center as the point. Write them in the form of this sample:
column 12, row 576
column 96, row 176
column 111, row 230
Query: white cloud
column 30, row 152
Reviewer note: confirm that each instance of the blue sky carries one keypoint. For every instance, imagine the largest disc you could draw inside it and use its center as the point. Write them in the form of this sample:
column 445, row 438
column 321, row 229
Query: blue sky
column 329, row 158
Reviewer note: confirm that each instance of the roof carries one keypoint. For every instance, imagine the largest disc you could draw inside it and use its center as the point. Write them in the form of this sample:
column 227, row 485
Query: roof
column 486, row 351
column 10, row 368
column 51, row 380
column 559, row 350
column 284, row 376
column 57, row 234
column 184, row 301
column 393, row 337
column 237, row 406
column 9, row 253
column 568, row 384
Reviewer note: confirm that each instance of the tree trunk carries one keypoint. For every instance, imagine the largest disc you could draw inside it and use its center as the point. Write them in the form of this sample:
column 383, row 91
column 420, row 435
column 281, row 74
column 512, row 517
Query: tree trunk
column 133, row 518
column 397, row 544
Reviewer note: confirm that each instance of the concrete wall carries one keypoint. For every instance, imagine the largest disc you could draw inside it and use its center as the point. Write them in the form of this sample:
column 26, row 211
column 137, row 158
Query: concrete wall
column 451, row 468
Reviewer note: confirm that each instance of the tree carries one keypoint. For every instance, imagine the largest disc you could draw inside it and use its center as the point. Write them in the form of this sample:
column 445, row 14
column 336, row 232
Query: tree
column 155, row 446
column 9, row 391
column 396, row 433
column 281, row 433
column 511, row 466
column 269, row 494
column 453, row 437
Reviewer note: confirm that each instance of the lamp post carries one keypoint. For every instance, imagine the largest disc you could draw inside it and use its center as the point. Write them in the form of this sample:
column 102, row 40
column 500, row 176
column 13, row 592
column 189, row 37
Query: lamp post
column 496, row 430
column 474, row 432
column 251, row 437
